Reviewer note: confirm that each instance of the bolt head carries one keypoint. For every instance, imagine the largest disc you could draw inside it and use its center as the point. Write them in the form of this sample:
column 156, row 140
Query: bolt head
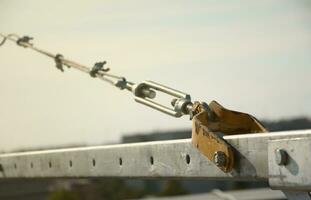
column 281, row 156
column 220, row 158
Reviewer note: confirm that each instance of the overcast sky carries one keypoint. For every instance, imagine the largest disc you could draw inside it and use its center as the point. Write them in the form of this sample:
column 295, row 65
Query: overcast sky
column 252, row 56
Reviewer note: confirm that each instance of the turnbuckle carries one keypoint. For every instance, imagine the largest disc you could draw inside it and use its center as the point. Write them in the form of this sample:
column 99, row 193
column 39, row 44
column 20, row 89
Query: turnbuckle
column 146, row 91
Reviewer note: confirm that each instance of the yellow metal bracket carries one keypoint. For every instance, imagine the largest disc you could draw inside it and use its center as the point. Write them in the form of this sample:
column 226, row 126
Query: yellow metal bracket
column 211, row 122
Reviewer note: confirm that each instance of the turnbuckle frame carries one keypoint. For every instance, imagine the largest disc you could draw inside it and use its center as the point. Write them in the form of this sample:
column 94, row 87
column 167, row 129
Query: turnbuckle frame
column 146, row 91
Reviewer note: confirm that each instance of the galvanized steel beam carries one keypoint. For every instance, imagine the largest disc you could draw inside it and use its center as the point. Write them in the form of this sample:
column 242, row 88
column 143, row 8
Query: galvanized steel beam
column 161, row 159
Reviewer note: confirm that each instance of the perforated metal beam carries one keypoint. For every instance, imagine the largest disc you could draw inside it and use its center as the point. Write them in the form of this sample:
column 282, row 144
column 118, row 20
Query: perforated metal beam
column 163, row 159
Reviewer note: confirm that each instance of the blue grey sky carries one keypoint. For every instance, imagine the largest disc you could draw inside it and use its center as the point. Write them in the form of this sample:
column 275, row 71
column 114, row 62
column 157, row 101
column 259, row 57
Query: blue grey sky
column 252, row 56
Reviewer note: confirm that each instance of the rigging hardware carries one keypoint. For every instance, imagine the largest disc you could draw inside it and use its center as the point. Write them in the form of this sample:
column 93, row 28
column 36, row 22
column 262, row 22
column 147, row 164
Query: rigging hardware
column 99, row 66
column 208, row 119
column 58, row 62
column 24, row 41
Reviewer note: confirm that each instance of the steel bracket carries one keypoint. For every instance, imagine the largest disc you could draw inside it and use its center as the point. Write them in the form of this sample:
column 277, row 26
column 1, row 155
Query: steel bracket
column 211, row 144
column 211, row 122
column 289, row 164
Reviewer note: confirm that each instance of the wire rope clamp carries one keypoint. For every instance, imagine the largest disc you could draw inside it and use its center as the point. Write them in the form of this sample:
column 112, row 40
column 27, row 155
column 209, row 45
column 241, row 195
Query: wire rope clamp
column 58, row 61
column 98, row 67
column 210, row 123
column 24, row 41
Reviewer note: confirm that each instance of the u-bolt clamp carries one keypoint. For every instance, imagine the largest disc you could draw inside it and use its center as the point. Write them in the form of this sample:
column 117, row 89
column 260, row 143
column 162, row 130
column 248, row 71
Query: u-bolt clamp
column 146, row 91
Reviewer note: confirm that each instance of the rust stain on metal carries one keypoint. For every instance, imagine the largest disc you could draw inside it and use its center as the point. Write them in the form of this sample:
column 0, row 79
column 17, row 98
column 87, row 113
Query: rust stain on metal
column 208, row 124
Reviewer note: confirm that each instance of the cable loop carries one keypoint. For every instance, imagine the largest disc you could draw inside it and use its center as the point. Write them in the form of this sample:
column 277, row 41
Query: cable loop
column 8, row 36
column 3, row 41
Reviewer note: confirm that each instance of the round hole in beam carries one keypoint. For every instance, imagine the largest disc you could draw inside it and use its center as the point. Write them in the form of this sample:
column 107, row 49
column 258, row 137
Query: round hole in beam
column 70, row 163
column 120, row 161
column 151, row 160
column 94, row 162
column 50, row 164
column 15, row 166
